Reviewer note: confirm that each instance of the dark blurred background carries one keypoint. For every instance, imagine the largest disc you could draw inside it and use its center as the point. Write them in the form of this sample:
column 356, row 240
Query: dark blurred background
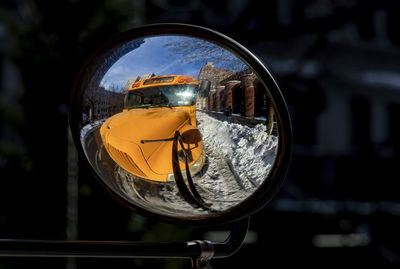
column 337, row 63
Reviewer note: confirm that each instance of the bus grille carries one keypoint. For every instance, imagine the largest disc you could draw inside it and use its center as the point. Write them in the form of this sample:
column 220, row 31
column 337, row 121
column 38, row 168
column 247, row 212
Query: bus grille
column 125, row 161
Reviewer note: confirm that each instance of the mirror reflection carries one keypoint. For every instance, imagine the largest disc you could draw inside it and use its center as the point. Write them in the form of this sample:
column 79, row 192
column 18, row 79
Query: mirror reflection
column 178, row 126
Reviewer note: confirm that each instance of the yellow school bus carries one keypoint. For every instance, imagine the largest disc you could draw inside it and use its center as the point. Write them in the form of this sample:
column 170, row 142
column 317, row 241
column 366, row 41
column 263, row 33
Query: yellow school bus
column 139, row 139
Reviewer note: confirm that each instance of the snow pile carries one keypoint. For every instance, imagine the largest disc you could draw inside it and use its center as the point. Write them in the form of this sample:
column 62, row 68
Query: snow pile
column 90, row 127
column 251, row 151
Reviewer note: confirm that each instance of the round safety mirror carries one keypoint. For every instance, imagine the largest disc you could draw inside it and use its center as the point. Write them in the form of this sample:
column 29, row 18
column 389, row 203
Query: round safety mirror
column 182, row 123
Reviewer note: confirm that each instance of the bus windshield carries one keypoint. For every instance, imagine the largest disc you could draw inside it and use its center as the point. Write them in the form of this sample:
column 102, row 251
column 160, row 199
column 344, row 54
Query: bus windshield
column 160, row 96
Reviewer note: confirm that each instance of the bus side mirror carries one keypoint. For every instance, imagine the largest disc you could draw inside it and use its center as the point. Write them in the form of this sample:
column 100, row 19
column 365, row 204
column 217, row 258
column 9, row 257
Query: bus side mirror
column 237, row 129
column 192, row 136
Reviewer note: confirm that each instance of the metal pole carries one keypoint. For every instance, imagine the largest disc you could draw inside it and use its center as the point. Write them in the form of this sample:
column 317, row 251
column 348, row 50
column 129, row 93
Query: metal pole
column 121, row 249
column 95, row 249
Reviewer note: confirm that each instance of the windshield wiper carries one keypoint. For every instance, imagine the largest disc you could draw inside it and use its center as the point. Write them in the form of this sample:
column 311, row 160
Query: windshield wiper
column 164, row 105
column 146, row 106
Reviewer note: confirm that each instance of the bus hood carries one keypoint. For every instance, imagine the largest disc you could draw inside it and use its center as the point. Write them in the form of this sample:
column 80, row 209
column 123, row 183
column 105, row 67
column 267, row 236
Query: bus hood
column 136, row 125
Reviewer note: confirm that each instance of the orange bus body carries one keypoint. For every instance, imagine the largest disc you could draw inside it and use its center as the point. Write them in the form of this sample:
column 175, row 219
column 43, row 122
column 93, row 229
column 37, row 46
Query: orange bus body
column 124, row 135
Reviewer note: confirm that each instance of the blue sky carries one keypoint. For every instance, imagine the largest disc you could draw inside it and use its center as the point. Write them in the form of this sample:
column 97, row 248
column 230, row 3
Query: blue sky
column 151, row 57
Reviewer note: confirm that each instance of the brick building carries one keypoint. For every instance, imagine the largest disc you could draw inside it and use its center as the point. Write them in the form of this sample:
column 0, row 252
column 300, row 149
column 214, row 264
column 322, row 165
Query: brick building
column 243, row 92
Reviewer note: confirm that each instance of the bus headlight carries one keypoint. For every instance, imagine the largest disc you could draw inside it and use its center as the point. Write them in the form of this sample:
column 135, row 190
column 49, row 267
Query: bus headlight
column 194, row 169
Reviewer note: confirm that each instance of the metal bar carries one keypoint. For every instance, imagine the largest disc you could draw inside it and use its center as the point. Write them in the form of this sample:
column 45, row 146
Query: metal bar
column 96, row 249
column 235, row 240
column 121, row 249
column 180, row 183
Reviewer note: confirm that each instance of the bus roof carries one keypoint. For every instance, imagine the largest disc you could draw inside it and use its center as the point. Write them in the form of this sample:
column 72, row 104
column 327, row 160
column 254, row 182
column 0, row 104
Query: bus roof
column 163, row 80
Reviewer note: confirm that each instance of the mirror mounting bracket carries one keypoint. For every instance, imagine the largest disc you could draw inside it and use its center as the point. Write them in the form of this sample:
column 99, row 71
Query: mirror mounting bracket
column 207, row 253
column 200, row 251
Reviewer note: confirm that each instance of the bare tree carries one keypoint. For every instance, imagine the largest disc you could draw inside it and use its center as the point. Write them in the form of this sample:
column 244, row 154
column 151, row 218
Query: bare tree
column 195, row 50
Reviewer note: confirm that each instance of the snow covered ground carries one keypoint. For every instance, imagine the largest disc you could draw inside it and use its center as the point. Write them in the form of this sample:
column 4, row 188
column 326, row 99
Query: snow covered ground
column 239, row 159
column 90, row 127
column 251, row 151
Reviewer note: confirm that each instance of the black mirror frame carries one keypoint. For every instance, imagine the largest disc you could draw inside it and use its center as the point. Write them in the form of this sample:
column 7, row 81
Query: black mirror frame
column 275, row 179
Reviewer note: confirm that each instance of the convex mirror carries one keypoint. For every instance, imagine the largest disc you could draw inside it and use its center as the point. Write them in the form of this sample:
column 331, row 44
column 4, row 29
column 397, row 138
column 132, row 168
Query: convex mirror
column 182, row 123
